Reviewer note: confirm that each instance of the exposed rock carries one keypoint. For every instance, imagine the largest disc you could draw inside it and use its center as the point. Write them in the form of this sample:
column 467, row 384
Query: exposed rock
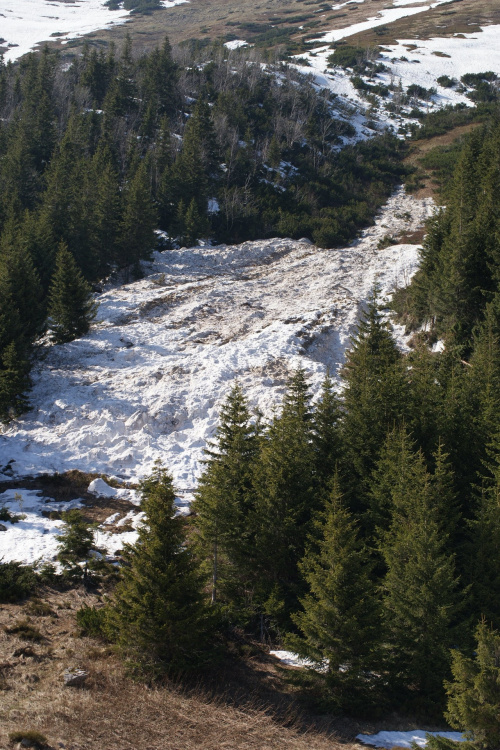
column 75, row 677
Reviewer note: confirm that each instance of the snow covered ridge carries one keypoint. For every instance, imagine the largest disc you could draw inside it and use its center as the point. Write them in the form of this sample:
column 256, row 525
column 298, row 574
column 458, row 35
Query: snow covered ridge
column 26, row 23
column 149, row 379
column 410, row 61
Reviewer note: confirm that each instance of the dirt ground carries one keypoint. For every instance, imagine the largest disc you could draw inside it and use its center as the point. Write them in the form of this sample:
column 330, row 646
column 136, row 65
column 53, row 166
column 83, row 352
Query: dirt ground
column 247, row 704
column 419, row 149
column 247, row 707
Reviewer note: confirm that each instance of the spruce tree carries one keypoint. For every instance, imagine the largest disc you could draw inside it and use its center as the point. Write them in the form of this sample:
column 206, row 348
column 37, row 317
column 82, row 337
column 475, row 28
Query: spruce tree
column 285, row 500
column 474, row 694
column 71, row 307
column 483, row 551
column 159, row 612
column 482, row 379
column 375, row 398
column 224, row 504
column 194, row 225
column 20, row 285
column 14, row 383
column 419, row 589
column 326, row 436
column 340, row 621
column 138, row 218
column 107, row 210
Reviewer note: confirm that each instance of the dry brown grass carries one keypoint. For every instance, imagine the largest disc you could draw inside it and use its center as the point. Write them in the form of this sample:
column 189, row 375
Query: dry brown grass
column 420, row 148
column 114, row 713
column 200, row 19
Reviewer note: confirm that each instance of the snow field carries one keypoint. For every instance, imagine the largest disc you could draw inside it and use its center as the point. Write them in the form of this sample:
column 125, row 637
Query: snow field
column 35, row 536
column 24, row 24
column 148, row 381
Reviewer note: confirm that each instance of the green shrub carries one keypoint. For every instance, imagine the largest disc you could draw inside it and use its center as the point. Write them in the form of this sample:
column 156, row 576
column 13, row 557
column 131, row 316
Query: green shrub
column 386, row 241
column 6, row 515
column 17, row 581
column 91, row 621
column 346, row 56
column 446, row 82
column 444, row 743
column 420, row 92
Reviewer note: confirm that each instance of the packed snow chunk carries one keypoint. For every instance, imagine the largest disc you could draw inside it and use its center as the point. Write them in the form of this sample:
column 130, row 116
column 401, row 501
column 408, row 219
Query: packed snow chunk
column 236, row 44
column 405, row 739
column 100, row 488
column 291, row 659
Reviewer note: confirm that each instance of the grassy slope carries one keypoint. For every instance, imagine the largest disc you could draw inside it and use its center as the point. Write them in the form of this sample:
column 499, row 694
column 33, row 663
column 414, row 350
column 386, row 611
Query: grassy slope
column 246, row 708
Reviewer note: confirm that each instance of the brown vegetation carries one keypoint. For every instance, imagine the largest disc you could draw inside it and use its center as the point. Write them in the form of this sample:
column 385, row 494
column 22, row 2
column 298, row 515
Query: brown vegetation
column 419, row 149
column 462, row 17
column 246, row 706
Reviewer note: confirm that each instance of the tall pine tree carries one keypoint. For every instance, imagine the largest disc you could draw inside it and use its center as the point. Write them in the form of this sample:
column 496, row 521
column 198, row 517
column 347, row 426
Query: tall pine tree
column 159, row 611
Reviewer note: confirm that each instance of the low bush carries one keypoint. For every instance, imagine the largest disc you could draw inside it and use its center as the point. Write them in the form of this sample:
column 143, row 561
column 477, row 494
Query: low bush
column 25, row 630
column 91, row 621
column 6, row 515
column 17, row 581
column 446, row 82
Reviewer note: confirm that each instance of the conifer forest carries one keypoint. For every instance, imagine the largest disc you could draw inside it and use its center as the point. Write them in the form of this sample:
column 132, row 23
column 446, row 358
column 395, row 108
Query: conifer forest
column 359, row 529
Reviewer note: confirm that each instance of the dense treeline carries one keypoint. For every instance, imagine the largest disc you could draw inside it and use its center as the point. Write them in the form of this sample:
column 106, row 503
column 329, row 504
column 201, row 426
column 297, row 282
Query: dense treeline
column 362, row 530
column 456, row 290
column 97, row 155
column 365, row 526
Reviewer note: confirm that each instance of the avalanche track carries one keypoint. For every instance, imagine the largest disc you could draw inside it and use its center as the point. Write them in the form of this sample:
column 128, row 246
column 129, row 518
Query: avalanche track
column 149, row 379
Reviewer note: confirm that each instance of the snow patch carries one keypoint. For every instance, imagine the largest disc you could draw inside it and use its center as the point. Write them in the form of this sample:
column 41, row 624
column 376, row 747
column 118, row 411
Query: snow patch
column 405, row 739
column 387, row 15
column 34, row 537
column 236, row 44
column 291, row 659
column 27, row 23
column 102, row 489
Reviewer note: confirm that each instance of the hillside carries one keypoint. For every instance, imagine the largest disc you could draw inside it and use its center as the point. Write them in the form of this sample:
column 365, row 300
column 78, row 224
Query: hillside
column 275, row 237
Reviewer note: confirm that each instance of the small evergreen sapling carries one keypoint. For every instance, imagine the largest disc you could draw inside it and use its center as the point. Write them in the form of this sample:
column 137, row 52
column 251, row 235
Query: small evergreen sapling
column 76, row 543
column 71, row 307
